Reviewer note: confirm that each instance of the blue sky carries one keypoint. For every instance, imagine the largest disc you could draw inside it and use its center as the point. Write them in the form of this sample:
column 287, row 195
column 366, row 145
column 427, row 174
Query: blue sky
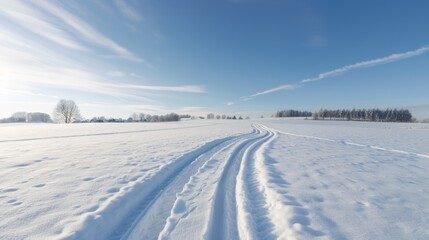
column 247, row 57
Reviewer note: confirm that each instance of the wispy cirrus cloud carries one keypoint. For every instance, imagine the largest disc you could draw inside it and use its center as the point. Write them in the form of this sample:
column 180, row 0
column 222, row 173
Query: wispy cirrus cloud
column 34, row 21
column 12, row 92
column 84, row 30
column 282, row 87
column 118, row 74
column 365, row 64
column 27, row 66
column 370, row 63
column 45, row 55
column 45, row 17
column 127, row 11
column 187, row 89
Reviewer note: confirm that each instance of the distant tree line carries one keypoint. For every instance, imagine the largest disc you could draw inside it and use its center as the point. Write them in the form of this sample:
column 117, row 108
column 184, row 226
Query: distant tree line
column 22, row 117
column 373, row 115
column 212, row 116
column 103, row 119
column 185, row 116
column 292, row 113
column 141, row 117
column 136, row 117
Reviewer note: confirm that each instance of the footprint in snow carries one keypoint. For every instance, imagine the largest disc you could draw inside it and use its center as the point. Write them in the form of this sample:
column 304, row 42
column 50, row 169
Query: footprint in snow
column 10, row 190
column 318, row 198
column 102, row 199
column 113, row 190
column 20, row 165
column 14, row 202
column 133, row 179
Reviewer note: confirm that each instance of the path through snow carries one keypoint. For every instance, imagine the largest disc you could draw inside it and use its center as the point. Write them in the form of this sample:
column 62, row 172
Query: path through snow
column 265, row 180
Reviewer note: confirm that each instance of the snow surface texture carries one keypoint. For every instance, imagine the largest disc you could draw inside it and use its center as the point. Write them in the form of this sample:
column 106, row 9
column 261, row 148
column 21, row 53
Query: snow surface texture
column 263, row 179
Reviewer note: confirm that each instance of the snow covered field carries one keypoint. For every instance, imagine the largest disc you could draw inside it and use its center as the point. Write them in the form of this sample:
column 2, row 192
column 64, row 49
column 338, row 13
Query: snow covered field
column 261, row 179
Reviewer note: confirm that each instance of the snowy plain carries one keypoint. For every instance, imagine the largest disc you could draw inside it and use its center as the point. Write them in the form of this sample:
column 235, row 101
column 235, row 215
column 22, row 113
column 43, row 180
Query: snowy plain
column 204, row 179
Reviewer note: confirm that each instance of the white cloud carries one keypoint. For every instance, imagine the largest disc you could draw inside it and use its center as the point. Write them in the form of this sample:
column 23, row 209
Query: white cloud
column 36, row 22
column 125, row 110
column 127, row 11
column 28, row 66
column 12, row 92
column 342, row 70
column 229, row 103
column 189, row 89
column 282, row 87
column 85, row 30
column 371, row 63
column 121, row 74
column 117, row 74
column 32, row 70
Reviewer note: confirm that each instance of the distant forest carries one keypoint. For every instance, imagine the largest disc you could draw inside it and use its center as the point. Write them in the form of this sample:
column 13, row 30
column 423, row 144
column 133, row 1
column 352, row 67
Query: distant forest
column 373, row 115
column 292, row 113
column 141, row 117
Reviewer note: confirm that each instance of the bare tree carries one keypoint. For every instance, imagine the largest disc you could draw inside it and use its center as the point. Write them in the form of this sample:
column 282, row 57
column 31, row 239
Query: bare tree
column 66, row 111
column 142, row 117
column 135, row 117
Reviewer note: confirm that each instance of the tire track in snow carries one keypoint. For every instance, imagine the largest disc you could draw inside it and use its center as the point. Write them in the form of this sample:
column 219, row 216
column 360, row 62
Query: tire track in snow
column 116, row 218
column 223, row 220
column 150, row 223
column 190, row 217
column 265, row 210
column 152, row 219
column 252, row 216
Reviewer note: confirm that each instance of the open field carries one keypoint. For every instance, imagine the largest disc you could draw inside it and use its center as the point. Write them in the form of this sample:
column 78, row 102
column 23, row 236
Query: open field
column 259, row 179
